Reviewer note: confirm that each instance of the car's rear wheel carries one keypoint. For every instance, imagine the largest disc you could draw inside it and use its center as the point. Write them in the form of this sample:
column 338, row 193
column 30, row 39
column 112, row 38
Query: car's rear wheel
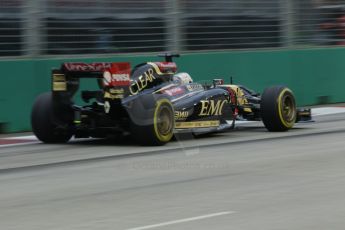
column 278, row 108
column 160, row 129
column 45, row 121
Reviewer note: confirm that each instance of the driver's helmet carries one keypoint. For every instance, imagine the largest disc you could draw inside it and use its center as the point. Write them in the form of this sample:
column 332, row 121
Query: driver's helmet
column 182, row 78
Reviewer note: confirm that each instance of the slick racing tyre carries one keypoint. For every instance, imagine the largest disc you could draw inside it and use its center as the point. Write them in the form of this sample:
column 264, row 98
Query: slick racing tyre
column 44, row 121
column 278, row 108
column 160, row 129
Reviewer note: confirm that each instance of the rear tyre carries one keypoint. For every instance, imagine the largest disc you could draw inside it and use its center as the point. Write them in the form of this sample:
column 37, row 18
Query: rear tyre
column 45, row 121
column 278, row 109
column 161, row 127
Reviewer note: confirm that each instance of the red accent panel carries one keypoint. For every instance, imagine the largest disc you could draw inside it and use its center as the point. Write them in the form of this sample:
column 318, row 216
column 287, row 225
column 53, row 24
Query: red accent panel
column 167, row 67
column 14, row 141
column 120, row 74
column 233, row 100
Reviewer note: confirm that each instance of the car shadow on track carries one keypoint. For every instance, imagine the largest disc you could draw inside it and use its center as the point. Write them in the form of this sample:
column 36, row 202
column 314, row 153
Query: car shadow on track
column 182, row 138
column 127, row 140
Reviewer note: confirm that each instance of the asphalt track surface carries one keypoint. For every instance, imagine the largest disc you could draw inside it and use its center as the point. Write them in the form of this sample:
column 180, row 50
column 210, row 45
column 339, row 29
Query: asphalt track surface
column 245, row 179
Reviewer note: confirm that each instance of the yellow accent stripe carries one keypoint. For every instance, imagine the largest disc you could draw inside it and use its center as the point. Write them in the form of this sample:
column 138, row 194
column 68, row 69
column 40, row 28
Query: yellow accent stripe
column 108, row 95
column 59, row 82
column 158, row 71
column 304, row 113
column 59, row 77
column 196, row 124
column 59, row 86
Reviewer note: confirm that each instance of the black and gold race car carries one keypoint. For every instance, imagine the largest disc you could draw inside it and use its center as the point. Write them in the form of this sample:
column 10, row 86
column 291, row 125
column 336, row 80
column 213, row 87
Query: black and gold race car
column 151, row 102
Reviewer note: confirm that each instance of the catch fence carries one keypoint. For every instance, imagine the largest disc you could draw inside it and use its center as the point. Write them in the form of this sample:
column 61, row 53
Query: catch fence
column 31, row 28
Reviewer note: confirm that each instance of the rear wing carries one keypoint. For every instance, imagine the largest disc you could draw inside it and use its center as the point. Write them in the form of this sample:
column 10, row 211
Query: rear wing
column 84, row 70
column 66, row 78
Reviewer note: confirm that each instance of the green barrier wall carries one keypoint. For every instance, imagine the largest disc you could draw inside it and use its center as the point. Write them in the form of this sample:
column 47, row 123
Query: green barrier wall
column 315, row 76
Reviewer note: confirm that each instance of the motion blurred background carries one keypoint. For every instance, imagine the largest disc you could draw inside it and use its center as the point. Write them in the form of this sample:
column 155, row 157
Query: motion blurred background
column 259, row 42
column 64, row 27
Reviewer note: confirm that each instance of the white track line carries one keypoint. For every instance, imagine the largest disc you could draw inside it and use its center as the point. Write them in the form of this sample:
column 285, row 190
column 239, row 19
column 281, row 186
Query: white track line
column 182, row 220
column 19, row 144
column 30, row 137
column 327, row 111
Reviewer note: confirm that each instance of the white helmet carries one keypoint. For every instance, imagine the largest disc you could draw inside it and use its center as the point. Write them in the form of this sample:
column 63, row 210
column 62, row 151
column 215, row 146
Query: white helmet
column 182, row 78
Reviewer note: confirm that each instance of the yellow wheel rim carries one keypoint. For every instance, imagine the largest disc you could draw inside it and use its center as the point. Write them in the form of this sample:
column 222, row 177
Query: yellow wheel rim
column 164, row 120
column 287, row 108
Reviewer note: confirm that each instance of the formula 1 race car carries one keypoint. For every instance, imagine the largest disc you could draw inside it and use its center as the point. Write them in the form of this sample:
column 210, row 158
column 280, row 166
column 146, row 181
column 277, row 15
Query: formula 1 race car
column 151, row 102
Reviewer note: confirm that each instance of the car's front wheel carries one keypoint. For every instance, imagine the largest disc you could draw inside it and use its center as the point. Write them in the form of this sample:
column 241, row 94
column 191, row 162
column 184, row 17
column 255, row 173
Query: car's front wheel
column 278, row 108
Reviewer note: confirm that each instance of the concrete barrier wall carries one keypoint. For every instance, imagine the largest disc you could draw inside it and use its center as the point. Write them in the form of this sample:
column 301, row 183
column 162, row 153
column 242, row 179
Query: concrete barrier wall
column 315, row 75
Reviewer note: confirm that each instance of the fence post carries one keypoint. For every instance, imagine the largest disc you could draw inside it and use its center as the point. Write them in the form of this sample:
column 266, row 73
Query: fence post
column 174, row 25
column 287, row 14
column 32, row 28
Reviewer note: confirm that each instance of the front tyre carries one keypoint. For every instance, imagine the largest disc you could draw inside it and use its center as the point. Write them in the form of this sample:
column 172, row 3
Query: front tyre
column 45, row 120
column 160, row 130
column 278, row 108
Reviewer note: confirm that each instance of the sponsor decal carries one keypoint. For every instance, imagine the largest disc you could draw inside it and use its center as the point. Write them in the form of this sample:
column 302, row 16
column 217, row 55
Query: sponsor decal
column 117, row 91
column 196, row 124
column 174, row 91
column 194, row 87
column 218, row 81
column 166, row 64
column 142, row 82
column 167, row 67
column 121, row 77
column 181, row 115
column 212, row 107
column 118, row 79
column 114, row 93
column 84, row 67
column 118, row 74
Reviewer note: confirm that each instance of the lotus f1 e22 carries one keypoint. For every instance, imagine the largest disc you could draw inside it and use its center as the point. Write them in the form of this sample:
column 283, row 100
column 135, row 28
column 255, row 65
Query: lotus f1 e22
column 151, row 102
